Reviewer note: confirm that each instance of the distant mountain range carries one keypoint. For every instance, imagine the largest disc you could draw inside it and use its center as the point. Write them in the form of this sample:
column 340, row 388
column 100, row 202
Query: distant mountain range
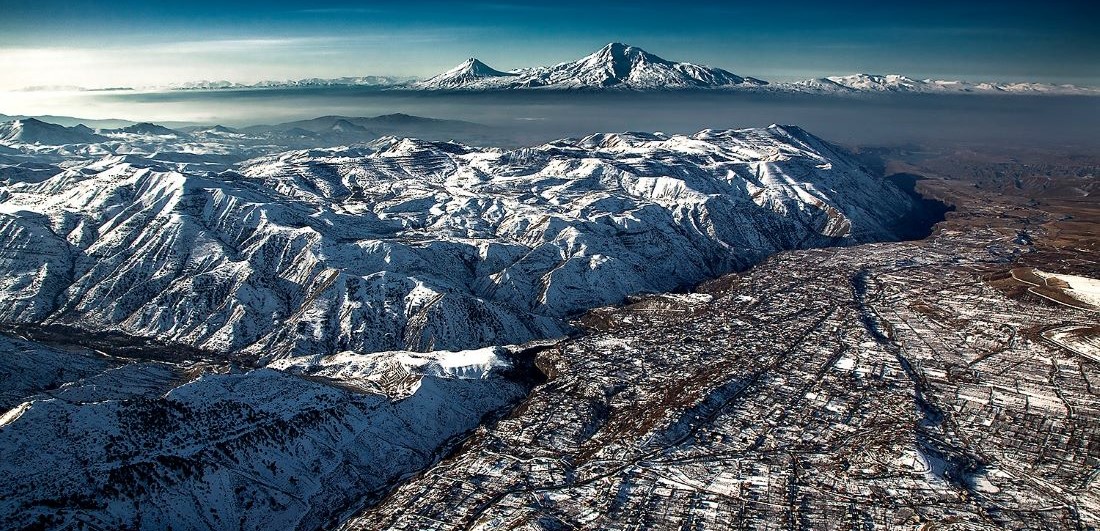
column 872, row 83
column 621, row 67
column 397, row 124
column 379, row 81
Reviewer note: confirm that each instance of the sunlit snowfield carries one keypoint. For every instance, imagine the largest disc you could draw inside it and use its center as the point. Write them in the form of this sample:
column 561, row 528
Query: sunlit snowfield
column 533, row 117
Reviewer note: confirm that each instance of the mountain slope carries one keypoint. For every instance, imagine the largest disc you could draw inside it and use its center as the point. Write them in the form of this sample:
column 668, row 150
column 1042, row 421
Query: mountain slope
column 151, row 445
column 417, row 245
column 33, row 131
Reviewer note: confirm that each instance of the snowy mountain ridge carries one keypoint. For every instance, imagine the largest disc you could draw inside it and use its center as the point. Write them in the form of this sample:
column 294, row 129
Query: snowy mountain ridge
column 409, row 244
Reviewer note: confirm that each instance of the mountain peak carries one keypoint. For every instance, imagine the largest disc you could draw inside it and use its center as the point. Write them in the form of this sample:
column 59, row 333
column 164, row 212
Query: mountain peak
column 622, row 56
column 469, row 71
column 480, row 69
column 616, row 47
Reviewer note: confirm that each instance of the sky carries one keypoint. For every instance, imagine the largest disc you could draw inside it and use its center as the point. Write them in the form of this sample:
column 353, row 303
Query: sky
column 97, row 44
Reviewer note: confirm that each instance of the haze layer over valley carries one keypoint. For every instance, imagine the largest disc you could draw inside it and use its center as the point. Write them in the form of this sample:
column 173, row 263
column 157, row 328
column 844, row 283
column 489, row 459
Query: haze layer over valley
column 517, row 119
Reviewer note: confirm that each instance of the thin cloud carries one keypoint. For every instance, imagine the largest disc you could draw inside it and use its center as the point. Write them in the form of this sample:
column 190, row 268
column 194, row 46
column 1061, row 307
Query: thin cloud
column 341, row 11
column 242, row 45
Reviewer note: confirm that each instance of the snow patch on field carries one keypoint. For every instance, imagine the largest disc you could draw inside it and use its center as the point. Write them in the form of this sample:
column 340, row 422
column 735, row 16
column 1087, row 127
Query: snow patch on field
column 1084, row 289
column 1084, row 340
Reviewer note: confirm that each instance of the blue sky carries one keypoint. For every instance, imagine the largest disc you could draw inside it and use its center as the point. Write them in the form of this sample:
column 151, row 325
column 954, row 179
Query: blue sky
column 127, row 42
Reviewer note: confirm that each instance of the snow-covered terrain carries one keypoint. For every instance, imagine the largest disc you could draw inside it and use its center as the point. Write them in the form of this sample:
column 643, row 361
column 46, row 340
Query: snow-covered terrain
column 1083, row 289
column 150, row 446
column 408, row 244
column 341, row 281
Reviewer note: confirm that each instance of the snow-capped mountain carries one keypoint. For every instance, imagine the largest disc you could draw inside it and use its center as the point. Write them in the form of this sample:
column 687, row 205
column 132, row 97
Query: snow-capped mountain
column 471, row 71
column 616, row 66
column 895, row 83
column 407, row 244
